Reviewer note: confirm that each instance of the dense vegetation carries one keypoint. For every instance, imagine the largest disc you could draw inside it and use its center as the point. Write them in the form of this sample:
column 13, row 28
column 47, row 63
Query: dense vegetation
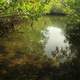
column 13, row 12
column 28, row 64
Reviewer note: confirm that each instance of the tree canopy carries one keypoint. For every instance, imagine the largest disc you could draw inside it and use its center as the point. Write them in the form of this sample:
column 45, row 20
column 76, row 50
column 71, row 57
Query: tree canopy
column 35, row 8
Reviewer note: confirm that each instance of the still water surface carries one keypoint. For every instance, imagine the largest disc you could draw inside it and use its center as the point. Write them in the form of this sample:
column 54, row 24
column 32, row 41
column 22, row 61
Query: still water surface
column 46, row 36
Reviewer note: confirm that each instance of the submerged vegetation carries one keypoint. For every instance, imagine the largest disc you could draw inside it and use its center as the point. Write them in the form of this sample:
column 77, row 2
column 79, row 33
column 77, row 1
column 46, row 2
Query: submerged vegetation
column 38, row 46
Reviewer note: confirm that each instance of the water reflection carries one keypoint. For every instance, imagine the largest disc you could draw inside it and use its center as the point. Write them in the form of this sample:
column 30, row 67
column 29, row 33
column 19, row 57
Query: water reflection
column 55, row 38
column 40, row 40
column 57, row 46
column 73, row 35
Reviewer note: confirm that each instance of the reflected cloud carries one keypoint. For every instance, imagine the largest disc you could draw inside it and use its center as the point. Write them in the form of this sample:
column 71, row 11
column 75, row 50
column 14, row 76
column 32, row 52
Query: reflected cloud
column 56, row 44
column 55, row 38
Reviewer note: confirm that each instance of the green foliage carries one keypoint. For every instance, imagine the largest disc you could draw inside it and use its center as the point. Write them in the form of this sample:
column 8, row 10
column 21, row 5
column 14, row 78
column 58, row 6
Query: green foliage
column 34, row 8
column 17, row 10
column 63, row 6
column 23, row 8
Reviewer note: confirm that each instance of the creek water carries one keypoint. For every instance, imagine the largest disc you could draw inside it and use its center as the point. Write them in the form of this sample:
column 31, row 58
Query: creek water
column 46, row 36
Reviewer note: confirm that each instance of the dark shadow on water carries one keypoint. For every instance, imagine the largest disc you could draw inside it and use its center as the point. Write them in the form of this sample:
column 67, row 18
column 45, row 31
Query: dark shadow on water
column 2, row 49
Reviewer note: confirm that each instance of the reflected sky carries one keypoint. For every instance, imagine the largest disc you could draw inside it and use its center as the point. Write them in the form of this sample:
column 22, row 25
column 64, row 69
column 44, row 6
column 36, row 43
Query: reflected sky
column 56, row 44
column 55, row 38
